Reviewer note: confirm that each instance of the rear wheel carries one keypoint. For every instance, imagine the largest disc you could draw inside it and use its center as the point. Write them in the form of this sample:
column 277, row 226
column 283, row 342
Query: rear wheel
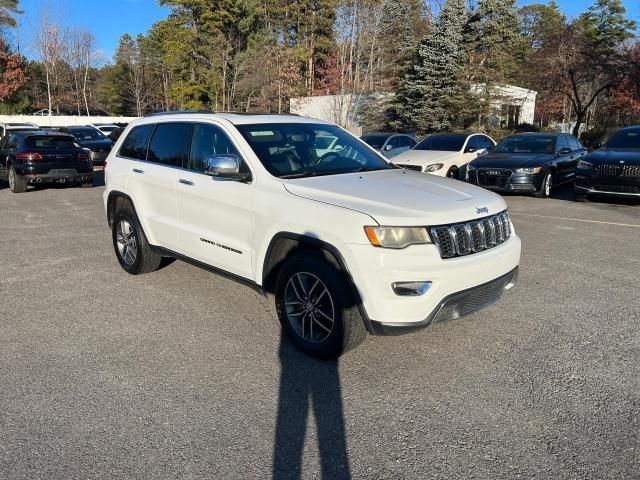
column 17, row 183
column 131, row 246
column 547, row 186
column 316, row 309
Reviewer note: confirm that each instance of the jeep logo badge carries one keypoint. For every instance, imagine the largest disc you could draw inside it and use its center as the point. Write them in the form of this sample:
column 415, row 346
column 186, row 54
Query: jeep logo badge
column 480, row 210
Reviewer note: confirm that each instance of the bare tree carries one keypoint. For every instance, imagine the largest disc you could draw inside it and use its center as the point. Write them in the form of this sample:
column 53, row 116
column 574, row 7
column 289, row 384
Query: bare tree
column 81, row 56
column 49, row 44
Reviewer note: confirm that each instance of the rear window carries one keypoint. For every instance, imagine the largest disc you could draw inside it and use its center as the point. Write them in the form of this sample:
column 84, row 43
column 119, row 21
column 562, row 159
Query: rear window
column 135, row 145
column 45, row 142
column 625, row 139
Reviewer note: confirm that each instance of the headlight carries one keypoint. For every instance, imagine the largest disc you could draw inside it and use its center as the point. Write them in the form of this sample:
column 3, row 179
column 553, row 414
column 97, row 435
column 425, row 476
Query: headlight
column 397, row 237
column 584, row 165
column 528, row 170
column 434, row 167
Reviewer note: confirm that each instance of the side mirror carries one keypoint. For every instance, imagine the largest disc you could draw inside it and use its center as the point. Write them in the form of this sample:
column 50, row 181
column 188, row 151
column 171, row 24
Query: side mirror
column 388, row 147
column 565, row 151
column 470, row 150
column 225, row 167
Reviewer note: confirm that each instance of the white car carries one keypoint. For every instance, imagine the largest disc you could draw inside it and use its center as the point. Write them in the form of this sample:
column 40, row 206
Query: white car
column 346, row 242
column 445, row 154
column 105, row 128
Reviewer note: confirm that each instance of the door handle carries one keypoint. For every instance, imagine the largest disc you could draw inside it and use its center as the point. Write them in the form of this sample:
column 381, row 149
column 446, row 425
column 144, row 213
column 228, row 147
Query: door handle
column 138, row 170
column 184, row 181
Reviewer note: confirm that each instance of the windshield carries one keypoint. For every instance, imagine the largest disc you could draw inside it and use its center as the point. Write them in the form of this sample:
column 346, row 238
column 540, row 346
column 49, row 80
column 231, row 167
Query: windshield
column 527, row 144
column 57, row 142
column 375, row 141
column 87, row 134
column 625, row 139
column 300, row 150
column 443, row 143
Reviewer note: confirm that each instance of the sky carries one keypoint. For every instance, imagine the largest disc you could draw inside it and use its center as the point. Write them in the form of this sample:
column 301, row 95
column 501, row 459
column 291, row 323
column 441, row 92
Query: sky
column 109, row 19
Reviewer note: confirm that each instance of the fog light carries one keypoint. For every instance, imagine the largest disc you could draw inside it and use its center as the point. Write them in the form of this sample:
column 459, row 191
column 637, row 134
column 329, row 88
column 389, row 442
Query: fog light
column 410, row 289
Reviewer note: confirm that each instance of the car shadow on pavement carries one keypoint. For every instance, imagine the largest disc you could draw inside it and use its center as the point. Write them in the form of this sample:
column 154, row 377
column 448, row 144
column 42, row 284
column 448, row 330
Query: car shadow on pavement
column 309, row 386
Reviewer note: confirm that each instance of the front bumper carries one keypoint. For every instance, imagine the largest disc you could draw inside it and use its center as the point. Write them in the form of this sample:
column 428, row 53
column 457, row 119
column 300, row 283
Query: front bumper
column 590, row 183
column 454, row 306
column 375, row 270
column 507, row 181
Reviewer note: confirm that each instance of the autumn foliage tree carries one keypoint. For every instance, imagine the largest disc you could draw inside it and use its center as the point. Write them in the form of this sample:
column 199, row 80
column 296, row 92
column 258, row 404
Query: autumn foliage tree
column 12, row 72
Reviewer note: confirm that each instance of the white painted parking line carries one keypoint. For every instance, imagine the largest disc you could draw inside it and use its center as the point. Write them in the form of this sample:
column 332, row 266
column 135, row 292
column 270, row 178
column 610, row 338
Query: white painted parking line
column 576, row 219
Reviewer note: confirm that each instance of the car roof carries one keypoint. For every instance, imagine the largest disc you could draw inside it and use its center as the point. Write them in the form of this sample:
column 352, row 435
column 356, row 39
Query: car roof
column 539, row 134
column 41, row 133
column 236, row 118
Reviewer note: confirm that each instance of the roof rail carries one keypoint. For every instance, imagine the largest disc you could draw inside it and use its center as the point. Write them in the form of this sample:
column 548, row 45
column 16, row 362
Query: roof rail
column 178, row 112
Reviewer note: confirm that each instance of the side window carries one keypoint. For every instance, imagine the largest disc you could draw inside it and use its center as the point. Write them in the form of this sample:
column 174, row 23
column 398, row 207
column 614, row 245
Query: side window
column 394, row 142
column 11, row 141
column 574, row 144
column 405, row 141
column 412, row 142
column 485, row 142
column 208, row 140
column 562, row 143
column 474, row 142
column 171, row 143
column 135, row 145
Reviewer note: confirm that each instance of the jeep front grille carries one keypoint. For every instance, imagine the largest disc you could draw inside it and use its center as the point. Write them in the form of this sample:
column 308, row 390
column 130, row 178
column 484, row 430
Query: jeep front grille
column 475, row 236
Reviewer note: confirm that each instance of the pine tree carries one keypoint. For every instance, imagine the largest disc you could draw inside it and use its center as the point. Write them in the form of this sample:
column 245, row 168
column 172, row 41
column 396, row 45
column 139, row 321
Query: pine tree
column 425, row 94
column 9, row 8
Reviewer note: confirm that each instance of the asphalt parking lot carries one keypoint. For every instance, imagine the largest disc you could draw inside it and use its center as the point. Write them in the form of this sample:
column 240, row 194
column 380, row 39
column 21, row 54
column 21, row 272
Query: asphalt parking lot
column 182, row 374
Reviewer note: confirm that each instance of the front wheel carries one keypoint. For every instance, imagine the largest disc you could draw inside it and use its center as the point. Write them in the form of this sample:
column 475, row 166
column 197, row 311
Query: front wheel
column 316, row 308
column 547, row 186
column 134, row 253
column 453, row 172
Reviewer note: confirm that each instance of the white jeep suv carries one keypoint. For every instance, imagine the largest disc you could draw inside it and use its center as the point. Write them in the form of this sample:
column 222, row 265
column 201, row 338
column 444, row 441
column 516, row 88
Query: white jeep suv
column 345, row 241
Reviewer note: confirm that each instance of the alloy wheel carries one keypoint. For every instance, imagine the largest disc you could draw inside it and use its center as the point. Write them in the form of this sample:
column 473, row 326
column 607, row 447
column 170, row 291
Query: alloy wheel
column 12, row 179
column 309, row 307
column 548, row 184
column 127, row 242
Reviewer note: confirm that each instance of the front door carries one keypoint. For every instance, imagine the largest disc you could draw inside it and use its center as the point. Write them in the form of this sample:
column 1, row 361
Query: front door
column 215, row 215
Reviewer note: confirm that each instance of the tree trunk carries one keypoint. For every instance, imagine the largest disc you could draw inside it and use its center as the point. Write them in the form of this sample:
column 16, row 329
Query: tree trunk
column 579, row 121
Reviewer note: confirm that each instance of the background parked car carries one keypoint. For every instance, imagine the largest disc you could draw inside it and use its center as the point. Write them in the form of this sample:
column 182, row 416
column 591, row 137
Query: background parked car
column 528, row 163
column 93, row 139
column 38, row 158
column 445, row 154
column 105, row 128
column 613, row 170
column 390, row 144
column 14, row 127
column 115, row 134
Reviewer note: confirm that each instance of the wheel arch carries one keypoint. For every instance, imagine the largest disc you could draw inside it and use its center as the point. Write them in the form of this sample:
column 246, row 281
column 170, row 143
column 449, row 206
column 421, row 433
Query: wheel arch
column 284, row 244
column 116, row 200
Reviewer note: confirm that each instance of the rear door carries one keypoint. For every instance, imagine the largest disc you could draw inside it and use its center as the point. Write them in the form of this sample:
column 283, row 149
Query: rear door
column 154, row 156
column 215, row 214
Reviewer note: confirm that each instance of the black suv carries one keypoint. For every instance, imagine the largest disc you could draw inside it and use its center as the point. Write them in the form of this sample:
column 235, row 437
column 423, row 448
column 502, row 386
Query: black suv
column 38, row 158
column 93, row 139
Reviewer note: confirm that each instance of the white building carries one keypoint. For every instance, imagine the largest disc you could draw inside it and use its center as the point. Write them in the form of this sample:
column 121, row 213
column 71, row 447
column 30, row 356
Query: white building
column 511, row 106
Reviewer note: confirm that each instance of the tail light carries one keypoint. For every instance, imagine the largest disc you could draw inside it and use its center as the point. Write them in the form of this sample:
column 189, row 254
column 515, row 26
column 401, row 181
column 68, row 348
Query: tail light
column 84, row 156
column 28, row 157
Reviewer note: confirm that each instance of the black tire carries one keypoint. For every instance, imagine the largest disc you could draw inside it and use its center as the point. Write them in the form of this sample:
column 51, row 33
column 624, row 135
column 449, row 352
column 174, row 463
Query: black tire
column 453, row 173
column 86, row 185
column 347, row 330
column 546, row 187
column 144, row 260
column 17, row 183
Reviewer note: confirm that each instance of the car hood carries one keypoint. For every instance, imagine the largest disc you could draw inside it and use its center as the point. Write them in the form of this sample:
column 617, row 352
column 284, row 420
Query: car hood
column 400, row 197
column 97, row 145
column 630, row 156
column 510, row 160
column 424, row 157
